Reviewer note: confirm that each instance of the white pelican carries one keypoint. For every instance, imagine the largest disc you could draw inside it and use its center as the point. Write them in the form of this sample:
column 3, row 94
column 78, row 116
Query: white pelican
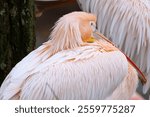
column 67, row 66
column 127, row 24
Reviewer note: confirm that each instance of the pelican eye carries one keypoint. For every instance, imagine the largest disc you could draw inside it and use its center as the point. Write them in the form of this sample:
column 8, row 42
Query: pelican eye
column 93, row 25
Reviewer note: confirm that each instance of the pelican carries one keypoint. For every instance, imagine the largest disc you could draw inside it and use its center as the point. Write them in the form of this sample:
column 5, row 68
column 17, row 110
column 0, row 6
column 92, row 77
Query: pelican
column 72, row 64
column 127, row 24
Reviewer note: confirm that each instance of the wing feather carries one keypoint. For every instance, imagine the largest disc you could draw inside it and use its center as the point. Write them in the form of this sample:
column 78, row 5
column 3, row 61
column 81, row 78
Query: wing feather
column 82, row 73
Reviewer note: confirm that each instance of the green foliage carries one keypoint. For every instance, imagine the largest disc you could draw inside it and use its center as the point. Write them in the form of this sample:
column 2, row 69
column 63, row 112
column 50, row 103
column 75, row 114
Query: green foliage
column 17, row 37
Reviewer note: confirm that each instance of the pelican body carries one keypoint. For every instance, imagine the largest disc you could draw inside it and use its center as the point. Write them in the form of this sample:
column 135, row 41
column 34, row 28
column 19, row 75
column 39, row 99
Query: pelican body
column 68, row 67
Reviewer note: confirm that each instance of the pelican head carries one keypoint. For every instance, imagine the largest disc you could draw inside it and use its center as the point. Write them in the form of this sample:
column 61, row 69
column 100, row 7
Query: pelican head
column 72, row 30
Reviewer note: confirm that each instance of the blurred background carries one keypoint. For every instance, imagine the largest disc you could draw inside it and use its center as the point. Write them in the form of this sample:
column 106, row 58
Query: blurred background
column 48, row 12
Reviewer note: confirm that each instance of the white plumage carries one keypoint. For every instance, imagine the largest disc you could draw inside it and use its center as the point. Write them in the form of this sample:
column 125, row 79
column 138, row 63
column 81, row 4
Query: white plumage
column 127, row 24
column 66, row 67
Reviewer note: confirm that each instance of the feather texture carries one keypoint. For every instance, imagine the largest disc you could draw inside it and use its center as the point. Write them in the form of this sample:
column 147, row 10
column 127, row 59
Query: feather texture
column 127, row 24
column 81, row 73
column 66, row 67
